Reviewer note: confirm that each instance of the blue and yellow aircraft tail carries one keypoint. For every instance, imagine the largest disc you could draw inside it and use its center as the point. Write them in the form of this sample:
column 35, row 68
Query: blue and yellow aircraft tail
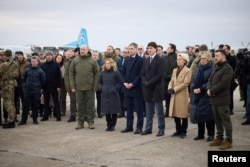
column 82, row 39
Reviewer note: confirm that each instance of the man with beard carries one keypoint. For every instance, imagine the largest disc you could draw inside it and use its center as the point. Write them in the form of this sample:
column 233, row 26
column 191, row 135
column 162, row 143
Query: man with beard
column 218, row 89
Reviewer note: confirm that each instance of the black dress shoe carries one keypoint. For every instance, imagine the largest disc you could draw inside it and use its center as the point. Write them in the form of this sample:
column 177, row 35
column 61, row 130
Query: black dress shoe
column 126, row 130
column 210, row 138
column 175, row 134
column 35, row 122
column 138, row 131
column 183, row 135
column 72, row 119
column 22, row 123
column 199, row 138
column 44, row 119
column 146, row 132
column 58, row 119
column 160, row 133
column 245, row 123
column 121, row 116
column 8, row 125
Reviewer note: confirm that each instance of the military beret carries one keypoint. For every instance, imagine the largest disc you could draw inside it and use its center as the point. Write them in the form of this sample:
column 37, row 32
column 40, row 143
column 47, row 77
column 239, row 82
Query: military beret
column 8, row 53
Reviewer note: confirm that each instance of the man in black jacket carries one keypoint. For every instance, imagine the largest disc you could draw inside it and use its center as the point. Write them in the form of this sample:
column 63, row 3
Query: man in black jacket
column 247, row 72
column 52, row 86
column 232, row 62
column 170, row 65
column 218, row 88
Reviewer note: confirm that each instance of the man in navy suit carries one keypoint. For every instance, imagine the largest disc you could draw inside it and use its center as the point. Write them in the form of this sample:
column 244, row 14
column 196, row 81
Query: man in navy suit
column 131, row 77
column 152, row 79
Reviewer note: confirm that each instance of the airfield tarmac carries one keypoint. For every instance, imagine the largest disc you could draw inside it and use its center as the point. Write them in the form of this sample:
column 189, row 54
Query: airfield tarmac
column 58, row 144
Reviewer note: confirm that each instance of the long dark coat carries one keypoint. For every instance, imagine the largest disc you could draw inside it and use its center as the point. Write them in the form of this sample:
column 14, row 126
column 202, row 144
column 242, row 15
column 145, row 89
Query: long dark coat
column 109, row 85
column 131, row 73
column 152, row 78
column 201, row 108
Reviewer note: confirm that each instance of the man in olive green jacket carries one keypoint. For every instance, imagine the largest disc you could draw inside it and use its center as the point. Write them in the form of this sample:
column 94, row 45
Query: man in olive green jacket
column 84, row 75
column 218, row 88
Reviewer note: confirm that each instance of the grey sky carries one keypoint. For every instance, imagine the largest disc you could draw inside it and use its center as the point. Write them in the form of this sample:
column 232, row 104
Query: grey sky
column 117, row 23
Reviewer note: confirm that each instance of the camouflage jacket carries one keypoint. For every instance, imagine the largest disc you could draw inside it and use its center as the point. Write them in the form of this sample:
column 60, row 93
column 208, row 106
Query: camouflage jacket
column 8, row 73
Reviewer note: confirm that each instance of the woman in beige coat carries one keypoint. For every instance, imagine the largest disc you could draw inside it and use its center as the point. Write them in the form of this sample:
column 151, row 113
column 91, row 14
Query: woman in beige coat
column 178, row 88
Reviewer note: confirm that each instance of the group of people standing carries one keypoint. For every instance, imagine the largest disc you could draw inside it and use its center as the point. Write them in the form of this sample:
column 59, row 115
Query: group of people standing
column 137, row 82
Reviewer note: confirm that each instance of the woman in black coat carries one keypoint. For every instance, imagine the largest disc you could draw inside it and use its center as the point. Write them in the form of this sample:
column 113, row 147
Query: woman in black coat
column 109, row 85
column 201, row 108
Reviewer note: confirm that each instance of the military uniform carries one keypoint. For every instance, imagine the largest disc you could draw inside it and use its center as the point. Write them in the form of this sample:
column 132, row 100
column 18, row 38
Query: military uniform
column 9, row 73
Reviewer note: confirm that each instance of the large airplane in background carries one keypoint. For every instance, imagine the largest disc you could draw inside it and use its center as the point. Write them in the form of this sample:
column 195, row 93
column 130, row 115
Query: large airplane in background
column 29, row 49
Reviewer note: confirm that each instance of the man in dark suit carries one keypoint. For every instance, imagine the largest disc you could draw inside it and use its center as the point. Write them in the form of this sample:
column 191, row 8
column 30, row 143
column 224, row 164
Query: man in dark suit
column 170, row 64
column 131, row 73
column 152, row 78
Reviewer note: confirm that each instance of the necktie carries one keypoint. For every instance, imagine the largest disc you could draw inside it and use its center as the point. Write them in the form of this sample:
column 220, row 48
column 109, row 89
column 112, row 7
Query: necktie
column 151, row 58
column 122, row 61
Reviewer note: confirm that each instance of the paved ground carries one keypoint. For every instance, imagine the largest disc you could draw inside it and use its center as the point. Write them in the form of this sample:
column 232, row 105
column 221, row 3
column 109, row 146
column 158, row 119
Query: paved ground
column 55, row 144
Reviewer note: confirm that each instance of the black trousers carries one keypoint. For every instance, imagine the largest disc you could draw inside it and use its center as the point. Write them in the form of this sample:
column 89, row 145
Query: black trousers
column 98, row 103
column 181, row 125
column 111, row 120
column 55, row 98
column 167, row 100
column 210, row 128
column 122, row 102
column 231, row 101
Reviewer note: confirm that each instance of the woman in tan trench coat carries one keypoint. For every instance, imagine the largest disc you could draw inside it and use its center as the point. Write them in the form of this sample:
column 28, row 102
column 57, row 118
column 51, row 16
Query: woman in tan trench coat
column 178, row 88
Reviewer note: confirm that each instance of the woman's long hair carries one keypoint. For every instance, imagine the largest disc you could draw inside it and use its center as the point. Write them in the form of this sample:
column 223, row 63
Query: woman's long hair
column 112, row 62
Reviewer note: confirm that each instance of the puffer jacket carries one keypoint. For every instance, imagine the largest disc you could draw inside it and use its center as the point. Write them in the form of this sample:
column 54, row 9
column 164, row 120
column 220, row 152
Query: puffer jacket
column 34, row 78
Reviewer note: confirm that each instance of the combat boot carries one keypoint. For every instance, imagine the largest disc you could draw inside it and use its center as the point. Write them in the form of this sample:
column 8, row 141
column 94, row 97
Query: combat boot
column 91, row 126
column 225, row 145
column 9, row 125
column 216, row 142
column 79, row 126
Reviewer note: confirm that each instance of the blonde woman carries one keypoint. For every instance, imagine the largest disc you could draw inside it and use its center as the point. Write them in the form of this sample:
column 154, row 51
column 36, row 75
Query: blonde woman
column 178, row 88
column 109, row 85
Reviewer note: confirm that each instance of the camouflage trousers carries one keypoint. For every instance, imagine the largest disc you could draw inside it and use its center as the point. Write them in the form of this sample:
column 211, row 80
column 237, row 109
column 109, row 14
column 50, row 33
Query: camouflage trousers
column 8, row 101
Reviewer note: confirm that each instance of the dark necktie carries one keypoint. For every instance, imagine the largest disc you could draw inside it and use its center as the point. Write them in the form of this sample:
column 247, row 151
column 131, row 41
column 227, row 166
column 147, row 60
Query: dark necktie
column 151, row 58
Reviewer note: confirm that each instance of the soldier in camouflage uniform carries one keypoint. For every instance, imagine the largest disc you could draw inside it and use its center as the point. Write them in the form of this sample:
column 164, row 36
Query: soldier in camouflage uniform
column 5, row 114
column 8, row 74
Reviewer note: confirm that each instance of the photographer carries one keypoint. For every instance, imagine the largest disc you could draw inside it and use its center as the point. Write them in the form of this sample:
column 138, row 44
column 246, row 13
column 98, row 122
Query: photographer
column 246, row 71
column 241, row 75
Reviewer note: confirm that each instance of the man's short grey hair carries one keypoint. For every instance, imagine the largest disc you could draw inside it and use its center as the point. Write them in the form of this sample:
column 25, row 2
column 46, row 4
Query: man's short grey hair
column 134, row 44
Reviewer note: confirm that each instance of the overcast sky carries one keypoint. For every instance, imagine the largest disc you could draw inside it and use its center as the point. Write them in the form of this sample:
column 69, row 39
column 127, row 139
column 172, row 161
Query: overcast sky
column 117, row 23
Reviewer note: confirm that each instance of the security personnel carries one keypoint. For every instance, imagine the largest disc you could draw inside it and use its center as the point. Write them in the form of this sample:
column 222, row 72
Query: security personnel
column 8, row 74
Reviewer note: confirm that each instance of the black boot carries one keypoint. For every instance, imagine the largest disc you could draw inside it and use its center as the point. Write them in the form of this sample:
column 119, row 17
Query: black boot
column 9, row 125
column 72, row 119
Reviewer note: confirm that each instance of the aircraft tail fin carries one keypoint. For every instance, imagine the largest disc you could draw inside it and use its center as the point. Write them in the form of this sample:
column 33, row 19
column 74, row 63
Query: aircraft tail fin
column 81, row 40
